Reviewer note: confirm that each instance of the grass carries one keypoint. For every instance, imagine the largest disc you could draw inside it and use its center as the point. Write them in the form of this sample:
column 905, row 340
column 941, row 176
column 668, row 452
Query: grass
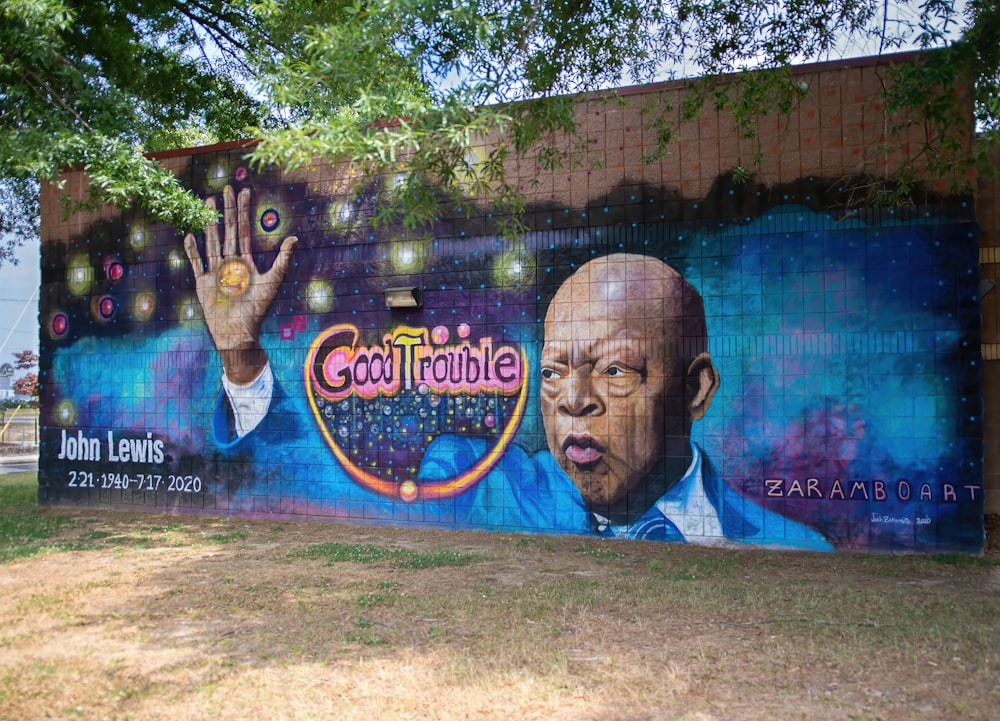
column 397, row 557
column 354, row 622
column 226, row 537
column 27, row 530
column 24, row 529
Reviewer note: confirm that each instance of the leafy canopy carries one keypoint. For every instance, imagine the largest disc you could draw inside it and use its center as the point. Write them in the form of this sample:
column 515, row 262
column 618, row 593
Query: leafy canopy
column 407, row 89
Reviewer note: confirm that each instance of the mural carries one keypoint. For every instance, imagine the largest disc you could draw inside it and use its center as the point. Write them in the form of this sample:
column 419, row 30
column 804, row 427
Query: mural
column 641, row 367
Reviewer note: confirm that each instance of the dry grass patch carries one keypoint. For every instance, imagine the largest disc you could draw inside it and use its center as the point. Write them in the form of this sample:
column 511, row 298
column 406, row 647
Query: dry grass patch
column 115, row 616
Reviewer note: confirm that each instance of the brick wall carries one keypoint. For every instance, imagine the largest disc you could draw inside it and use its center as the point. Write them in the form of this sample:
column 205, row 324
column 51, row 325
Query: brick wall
column 988, row 217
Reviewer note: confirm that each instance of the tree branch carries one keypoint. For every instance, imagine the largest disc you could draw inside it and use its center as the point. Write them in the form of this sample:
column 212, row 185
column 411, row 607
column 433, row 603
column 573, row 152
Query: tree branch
column 54, row 96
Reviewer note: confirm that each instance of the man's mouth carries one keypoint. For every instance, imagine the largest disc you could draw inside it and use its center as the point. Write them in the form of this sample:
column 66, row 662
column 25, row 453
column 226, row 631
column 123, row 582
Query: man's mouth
column 583, row 450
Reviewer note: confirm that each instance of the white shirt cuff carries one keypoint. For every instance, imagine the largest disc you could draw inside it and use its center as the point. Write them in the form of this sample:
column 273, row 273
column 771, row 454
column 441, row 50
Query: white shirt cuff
column 250, row 402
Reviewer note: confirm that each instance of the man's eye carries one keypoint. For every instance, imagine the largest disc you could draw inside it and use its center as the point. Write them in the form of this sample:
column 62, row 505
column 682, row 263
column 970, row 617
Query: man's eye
column 549, row 374
column 615, row 371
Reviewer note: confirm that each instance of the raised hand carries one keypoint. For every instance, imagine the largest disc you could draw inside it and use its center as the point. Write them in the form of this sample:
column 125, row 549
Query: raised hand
column 233, row 294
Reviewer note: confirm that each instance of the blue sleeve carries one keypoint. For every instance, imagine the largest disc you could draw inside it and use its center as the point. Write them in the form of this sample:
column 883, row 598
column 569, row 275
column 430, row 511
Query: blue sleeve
column 223, row 427
column 519, row 493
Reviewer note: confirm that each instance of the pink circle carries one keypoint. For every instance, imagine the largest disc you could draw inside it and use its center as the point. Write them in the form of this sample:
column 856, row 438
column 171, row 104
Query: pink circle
column 114, row 269
column 464, row 330
column 490, row 420
column 60, row 324
column 439, row 335
column 241, row 174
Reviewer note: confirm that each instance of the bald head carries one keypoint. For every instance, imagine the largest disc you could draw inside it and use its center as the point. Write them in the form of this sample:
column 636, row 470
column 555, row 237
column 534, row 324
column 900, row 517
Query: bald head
column 625, row 369
column 652, row 297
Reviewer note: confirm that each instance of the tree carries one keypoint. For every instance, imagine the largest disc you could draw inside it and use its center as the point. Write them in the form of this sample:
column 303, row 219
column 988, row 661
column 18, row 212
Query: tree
column 27, row 385
column 25, row 359
column 98, row 84
column 415, row 84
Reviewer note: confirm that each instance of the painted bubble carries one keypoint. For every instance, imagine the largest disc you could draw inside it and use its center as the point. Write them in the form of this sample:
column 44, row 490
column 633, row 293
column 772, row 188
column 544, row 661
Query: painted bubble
column 114, row 269
column 59, row 324
column 270, row 220
column 439, row 336
column 106, row 307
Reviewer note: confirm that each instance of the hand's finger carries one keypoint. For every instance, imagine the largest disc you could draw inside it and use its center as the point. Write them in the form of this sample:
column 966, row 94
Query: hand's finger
column 232, row 220
column 191, row 248
column 280, row 268
column 244, row 231
column 212, row 250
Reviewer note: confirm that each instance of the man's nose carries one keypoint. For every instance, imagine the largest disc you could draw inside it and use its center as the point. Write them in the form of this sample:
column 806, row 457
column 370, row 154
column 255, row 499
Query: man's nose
column 579, row 397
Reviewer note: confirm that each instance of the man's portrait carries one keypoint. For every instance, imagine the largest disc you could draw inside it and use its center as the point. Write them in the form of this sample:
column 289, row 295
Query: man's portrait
column 625, row 372
column 625, row 369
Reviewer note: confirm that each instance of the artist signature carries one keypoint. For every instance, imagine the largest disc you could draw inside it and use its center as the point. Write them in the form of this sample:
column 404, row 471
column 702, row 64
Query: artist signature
column 900, row 520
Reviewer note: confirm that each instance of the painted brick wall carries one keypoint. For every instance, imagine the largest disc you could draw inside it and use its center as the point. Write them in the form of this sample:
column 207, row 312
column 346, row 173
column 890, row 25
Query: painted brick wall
column 665, row 354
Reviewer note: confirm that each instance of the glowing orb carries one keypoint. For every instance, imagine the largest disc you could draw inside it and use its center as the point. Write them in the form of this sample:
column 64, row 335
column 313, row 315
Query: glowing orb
column 65, row 414
column 270, row 220
column 464, row 330
column 408, row 491
column 241, row 174
column 175, row 259
column 79, row 275
column 138, row 237
column 319, row 296
column 114, row 269
column 59, row 324
column 439, row 336
column 490, row 420
column 406, row 255
column 340, row 213
column 514, row 267
column 218, row 176
column 234, row 278
column 187, row 310
column 145, row 304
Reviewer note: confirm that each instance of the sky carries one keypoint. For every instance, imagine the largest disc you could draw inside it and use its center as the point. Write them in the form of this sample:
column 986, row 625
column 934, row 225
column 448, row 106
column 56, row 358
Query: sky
column 19, row 298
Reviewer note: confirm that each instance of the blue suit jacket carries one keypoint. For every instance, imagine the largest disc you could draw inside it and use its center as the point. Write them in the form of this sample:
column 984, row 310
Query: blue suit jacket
column 532, row 493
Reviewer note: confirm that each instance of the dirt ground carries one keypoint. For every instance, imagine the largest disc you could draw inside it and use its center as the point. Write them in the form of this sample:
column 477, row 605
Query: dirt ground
column 160, row 617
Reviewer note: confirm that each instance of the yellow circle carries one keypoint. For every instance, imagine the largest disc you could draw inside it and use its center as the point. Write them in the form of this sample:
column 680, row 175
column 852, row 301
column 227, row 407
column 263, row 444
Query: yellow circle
column 234, row 278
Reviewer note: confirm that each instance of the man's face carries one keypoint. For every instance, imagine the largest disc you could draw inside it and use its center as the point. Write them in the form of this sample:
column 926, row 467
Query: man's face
column 611, row 396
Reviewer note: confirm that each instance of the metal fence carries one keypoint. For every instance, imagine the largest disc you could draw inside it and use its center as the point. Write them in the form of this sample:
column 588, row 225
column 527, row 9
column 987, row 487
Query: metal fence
column 18, row 429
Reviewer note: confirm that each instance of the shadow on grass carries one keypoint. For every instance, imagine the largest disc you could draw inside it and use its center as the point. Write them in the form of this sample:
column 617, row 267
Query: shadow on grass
column 24, row 529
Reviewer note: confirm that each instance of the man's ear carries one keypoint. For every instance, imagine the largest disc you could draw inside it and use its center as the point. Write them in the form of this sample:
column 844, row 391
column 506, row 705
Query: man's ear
column 702, row 382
